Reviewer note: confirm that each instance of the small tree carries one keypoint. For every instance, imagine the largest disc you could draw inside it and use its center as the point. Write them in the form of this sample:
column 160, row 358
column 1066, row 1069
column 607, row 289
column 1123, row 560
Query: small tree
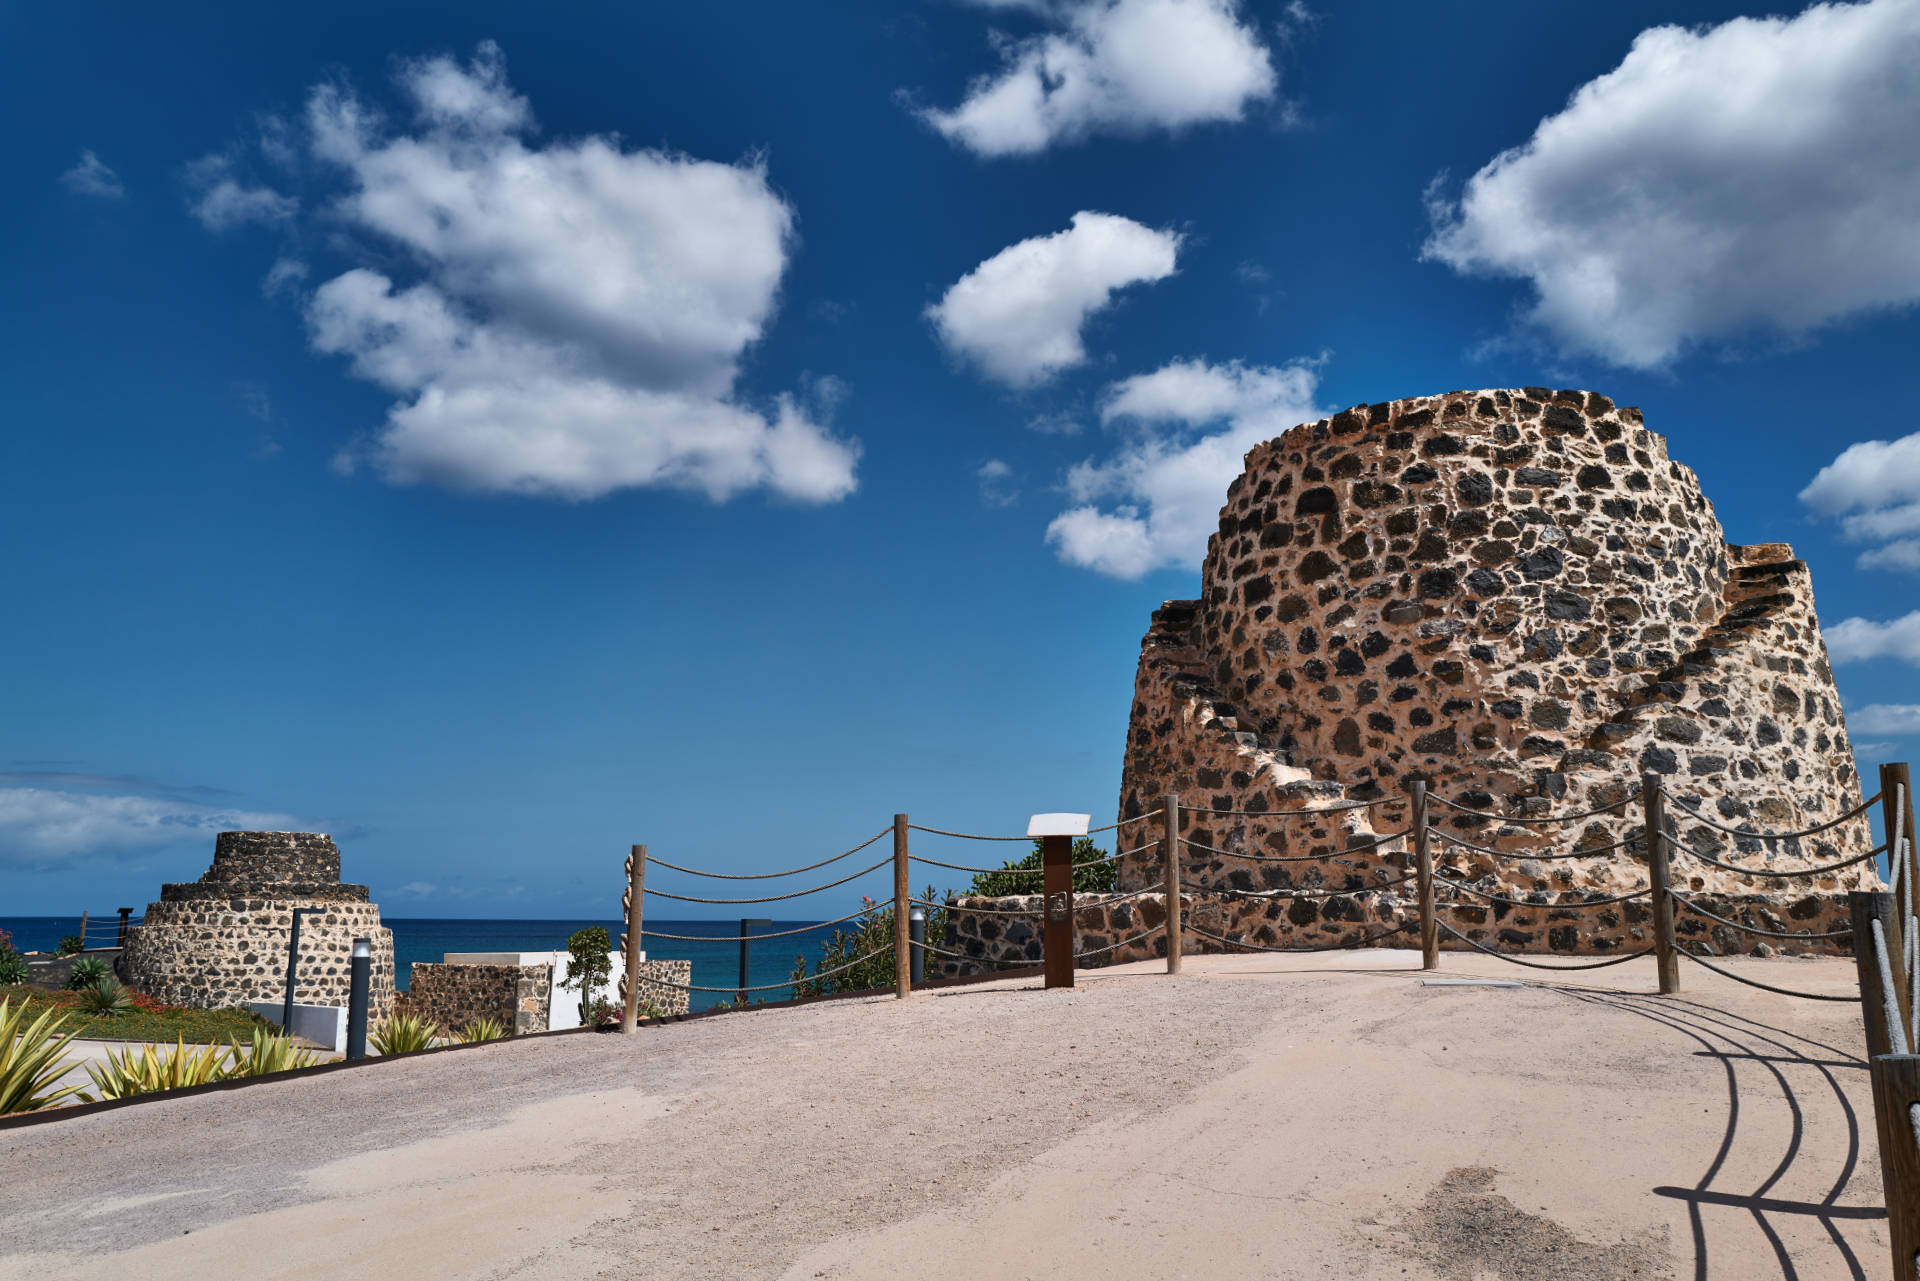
column 589, row 966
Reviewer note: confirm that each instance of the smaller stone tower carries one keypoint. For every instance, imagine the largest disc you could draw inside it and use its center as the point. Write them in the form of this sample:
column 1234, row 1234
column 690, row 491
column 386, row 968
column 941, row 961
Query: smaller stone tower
column 222, row 940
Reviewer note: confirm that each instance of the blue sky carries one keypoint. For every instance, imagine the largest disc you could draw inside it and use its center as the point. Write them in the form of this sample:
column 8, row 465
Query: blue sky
column 497, row 440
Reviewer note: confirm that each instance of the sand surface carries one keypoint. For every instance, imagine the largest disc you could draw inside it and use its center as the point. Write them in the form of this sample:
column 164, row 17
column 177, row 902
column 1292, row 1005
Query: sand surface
column 1256, row 1117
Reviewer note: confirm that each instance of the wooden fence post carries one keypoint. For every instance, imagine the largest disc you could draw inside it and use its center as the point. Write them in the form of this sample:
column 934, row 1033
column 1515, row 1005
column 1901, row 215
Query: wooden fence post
column 1170, row 855
column 633, row 901
column 1660, row 873
column 1896, row 820
column 1896, row 1096
column 902, row 953
column 83, row 936
column 1866, row 908
column 1423, row 874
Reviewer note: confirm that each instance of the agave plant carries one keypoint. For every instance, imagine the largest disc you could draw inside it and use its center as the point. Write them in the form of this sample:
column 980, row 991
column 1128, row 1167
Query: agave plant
column 108, row 996
column 268, row 1052
column 86, row 972
column 13, row 969
column 127, row 1073
column 30, row 1059
column 404, row 1033
column 482, row 1030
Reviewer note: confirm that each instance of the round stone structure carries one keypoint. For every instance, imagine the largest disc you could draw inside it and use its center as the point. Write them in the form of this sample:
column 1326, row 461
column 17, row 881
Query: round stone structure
column 222, row 940
column 1517, row 596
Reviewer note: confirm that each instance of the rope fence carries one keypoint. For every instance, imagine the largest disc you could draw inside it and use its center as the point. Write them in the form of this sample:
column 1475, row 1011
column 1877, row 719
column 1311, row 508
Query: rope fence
column 1884, row 930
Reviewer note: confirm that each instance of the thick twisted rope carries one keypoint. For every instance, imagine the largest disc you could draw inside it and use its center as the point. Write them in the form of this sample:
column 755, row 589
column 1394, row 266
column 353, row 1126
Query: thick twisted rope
column 1019, row 871
column 755, row 938
column 769, row 987
column 1137, row 818
column 965, row 836
column 1755, row 871
column 1594, row 852
column 1692, row 906
column 1270, row 895
column 1310, row 810
column 1767, row 987
column 984, row 911
column 1331, row 947
column 1771, row 836
column 979, row 960
column 767, row 876
column 1155, row 888
column 1514, row 902
column 775, row 898
column 1096, row 951
column 1535, row 965
column 1374, row 844
column 1550, row 818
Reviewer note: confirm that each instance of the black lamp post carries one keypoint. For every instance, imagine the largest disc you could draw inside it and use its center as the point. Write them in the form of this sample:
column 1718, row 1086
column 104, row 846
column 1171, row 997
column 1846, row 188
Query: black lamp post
column 293, row 965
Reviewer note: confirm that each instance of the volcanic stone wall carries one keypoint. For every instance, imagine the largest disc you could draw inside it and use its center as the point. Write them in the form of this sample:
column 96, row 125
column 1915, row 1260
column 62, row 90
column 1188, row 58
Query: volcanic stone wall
column 1518, row 596
column 452, row 996
column 221, row 941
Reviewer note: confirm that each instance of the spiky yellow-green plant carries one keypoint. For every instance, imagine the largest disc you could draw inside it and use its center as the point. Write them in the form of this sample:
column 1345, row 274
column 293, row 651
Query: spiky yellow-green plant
column 127, row 1073
column 268, row 1052
column 30, row 1059
column 404, row 1033
column 482, row 1030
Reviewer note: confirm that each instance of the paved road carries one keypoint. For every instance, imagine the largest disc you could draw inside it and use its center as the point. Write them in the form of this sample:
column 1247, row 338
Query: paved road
column 1259, row 1116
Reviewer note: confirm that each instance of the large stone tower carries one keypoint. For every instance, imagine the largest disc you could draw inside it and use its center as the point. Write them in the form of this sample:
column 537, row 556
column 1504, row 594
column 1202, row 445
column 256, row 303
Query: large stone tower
column 222, row 940
column 1516, row 595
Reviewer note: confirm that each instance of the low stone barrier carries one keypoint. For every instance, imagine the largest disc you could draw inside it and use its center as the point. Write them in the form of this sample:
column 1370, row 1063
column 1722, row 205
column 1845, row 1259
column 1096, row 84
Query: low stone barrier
column 1556, row 924
column 518, row 997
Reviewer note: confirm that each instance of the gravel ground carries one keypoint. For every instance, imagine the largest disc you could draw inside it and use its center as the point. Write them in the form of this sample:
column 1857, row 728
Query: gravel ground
column 1256, row 1117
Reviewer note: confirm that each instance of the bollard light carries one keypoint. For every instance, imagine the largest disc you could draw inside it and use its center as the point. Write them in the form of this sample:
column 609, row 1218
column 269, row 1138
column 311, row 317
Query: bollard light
column 358, row 991
column 917, row 935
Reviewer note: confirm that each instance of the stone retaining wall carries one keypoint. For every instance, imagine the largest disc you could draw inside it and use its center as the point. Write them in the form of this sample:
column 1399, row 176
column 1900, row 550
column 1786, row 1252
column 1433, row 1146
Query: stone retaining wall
column 517, row 996
column 1552, row 924
column 452, row 996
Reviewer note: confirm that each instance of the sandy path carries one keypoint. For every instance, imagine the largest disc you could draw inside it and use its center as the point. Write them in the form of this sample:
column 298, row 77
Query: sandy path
column 1257, row 1117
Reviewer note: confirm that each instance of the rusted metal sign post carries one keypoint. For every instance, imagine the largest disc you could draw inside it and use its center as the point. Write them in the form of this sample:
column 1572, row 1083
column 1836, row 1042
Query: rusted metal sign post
column 1056, row 833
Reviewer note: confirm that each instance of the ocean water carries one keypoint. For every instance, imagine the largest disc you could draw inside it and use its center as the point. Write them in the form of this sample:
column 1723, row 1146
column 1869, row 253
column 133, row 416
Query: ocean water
column 716, row 963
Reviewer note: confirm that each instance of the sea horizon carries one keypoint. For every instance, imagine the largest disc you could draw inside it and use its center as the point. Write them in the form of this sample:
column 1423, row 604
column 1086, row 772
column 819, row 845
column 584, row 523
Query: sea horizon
column 716, row 963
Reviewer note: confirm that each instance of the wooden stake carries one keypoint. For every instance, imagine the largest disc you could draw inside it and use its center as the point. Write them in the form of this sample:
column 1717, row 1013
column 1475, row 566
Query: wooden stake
column 1170, row 856
column 1896, row 1094
column 1896, row 813
column 1056, row 887
column 1865, row 909
column 1423, row 874
column 902, row 956
column 630, row 941
column 1665, row 952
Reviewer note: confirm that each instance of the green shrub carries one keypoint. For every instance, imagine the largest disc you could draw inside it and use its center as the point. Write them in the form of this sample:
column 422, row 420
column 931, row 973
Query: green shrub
column 13, row 969
column 481, row 1030
column 266, row 1052
column 1099, row 879
column 402, row 1034
column 871, row 931
column 72, row 943
column 108, row 997
column 589, row 966
column 127, row 1073
column 30, row 1059
column 86, row 972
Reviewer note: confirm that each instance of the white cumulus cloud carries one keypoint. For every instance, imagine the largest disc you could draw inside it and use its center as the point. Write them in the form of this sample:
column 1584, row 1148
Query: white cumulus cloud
column 1019, row 314
column 557, row 317
column 1759, row 175
column 1895, row 719
column 222, row 201
column 1112, row 66
column 1856, row 640
column 1188, row 427
column 91, row 177
column 1873, row 488
column 42, row 827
